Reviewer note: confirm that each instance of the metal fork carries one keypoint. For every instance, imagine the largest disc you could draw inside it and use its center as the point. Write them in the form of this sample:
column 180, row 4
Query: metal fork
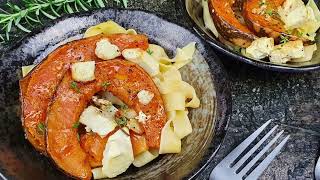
column 225, row 170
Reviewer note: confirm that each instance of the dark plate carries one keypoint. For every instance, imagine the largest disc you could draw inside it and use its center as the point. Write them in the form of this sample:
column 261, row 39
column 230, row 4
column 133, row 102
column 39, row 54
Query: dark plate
column 19, row 160
column 194, row 11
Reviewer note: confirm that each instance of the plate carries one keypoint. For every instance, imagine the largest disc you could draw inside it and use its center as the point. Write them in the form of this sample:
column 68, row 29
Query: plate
column 19, row 160
column 193, row 10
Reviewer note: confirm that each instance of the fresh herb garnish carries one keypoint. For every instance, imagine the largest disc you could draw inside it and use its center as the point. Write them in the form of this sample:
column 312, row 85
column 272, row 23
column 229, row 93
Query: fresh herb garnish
column 122, row 121
column 41, row 128
column 284, row 39
column 300, row 33
column 76, row 125
column 269, row 12
column 105, row 84
column 149, row 52
column 74, row 86
column 26, row 15
column 78, row 136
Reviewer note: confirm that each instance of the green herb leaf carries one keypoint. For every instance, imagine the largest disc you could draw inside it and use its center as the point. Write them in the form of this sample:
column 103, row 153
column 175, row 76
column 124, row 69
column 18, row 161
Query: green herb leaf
column 41, row 128
column 269, row 12
column 74, row 86
column 122, row 121
column 19, row 16
column 78, row 136
column 105, row 84
column 149, row 52
column 76, row 125
column 284, row 39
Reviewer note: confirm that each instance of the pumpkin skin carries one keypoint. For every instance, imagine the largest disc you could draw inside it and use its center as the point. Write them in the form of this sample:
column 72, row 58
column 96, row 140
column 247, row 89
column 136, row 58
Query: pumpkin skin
column 38, row 87
column 228, row 25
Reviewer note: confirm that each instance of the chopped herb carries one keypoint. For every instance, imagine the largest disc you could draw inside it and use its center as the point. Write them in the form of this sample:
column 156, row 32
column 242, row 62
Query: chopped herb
column 76, row 125
column 284, row 39
column 269, row 12
column 78, row 136
column 300, row 33
column 122, row 121
column 149, row 52
column 74, row 86
column 105, row 84
column 41, row 128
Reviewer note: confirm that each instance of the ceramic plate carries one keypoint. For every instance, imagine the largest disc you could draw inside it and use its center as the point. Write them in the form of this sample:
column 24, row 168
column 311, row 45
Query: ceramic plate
column 19, row 160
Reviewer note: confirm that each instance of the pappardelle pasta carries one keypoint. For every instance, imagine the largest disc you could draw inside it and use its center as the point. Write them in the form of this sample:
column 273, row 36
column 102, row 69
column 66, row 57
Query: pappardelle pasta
column 127, row 100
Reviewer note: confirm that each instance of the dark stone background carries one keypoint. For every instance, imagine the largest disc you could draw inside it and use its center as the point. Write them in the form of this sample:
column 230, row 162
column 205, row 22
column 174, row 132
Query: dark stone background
column 291, row 100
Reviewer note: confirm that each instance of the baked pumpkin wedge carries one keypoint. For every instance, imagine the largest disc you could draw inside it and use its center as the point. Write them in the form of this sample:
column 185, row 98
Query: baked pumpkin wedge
column 228, row 24
column 38, row 90
column 262, row 18
column 126, row 79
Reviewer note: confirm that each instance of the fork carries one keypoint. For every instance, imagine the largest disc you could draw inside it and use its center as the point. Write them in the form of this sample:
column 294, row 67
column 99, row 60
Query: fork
column 226, row 170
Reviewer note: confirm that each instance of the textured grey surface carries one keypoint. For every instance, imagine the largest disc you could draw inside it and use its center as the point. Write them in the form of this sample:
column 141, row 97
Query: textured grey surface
column 258, row 95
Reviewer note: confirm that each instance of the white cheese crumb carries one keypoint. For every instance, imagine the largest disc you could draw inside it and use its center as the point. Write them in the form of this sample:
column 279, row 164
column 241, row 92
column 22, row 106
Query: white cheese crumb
column 142, row 118
column 118, row 154
column 293, row 13
column 260, row 48
column 94, row 120
column 105, row 50
column 145, row 97
column 285, row 52
column 132, row 54
column 83, row 71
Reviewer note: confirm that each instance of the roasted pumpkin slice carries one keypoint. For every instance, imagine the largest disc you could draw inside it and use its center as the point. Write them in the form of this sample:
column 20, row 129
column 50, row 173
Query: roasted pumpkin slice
column 262, row 18
column 228, row 24
column 126, row 79
column 94, row 146
column 42, row 82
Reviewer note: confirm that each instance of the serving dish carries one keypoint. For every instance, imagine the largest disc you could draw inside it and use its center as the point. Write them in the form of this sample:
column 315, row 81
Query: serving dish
column 195, row 12
column 205, row 73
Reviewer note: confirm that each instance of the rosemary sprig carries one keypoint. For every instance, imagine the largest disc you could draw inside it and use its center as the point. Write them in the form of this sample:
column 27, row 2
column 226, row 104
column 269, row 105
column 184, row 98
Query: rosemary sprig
column 26, row 15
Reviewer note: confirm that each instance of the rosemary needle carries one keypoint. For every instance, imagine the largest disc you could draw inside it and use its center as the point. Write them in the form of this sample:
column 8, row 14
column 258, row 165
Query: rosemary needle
column 30, row 12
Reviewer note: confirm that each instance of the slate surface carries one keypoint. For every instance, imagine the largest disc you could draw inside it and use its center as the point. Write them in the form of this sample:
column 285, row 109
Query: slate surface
column 291, row 100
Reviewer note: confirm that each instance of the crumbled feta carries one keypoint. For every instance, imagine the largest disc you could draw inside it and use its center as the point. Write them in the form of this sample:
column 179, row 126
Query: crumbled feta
column 105, row 50
column 308, row 53
column 94, row 120
column 260, row 48
column 285, row 52
column 142, row 118
column 145, row 97
column 83, row 71
column 293, row 13
column 132, row 54
column 118, row 154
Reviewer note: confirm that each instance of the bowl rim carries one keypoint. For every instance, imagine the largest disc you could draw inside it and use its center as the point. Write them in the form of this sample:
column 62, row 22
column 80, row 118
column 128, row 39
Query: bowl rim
column 223, row 97
column 217, row 45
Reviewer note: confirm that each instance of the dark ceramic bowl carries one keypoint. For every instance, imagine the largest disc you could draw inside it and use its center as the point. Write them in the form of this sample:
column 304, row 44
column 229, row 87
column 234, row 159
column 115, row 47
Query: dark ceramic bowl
column 194, row 11
column 19, row 160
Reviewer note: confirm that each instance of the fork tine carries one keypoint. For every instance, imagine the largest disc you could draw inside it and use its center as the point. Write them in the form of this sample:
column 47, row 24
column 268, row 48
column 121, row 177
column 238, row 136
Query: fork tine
column 258, row 156
column 265, row 163
column 252, row 150
column 241, row 147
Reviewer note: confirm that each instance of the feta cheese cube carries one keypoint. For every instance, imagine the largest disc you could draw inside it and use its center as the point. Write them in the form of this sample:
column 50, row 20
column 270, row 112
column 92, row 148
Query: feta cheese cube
column 260, row 48
column 106, row 51
column 83, row 71
column 94, row 120
column 118, row 154
column 142, row 118
column 285, row 52
column 145, row 97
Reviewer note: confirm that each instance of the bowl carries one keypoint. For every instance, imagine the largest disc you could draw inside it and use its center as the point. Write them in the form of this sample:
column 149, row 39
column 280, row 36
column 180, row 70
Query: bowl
column 193, row 9
column 19, row 160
